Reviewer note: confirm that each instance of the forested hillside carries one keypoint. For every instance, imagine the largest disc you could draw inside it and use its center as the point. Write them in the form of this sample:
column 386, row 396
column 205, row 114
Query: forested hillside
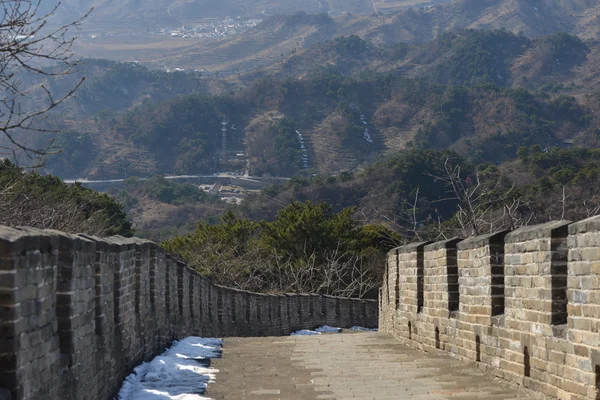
column 481, row 93
column 461, row 57
column 160, row 208
column 421, row 192
column 46, row 202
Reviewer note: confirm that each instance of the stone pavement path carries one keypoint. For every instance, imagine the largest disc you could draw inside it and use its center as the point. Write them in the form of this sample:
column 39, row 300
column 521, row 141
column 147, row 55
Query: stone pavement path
column 347, row 366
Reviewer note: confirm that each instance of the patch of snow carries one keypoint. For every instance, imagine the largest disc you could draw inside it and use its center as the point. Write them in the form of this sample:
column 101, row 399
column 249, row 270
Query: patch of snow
column 328, row 329
column 360, row 328
column 180, row 373
column 304, row 332
column 318, row 331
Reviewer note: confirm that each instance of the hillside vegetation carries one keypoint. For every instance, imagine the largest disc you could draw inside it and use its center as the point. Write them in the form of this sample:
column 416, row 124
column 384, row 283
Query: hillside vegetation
column 332, row 235
column 46, row 202
column 433, row 194
column 481, row 93
column 307, row 248
column 462, row 57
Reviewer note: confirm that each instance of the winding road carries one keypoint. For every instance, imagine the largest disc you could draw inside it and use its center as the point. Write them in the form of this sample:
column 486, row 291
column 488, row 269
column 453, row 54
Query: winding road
column 180, row 177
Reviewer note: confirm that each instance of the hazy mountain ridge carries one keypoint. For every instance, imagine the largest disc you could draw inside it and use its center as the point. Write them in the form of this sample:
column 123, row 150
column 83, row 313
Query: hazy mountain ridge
column 513, row 60
column 280, row 37
column 184, row 11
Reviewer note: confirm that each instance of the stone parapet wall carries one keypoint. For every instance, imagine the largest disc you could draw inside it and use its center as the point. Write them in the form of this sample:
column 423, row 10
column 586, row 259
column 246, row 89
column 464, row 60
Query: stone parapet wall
column 528, row 305
column 78, row 313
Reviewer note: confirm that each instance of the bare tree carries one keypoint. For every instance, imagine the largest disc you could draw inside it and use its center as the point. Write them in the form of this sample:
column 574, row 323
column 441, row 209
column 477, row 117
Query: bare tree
column 335, row 272
column 587, row 210
column 407, row 223
column 483, row 205
column 28, row 46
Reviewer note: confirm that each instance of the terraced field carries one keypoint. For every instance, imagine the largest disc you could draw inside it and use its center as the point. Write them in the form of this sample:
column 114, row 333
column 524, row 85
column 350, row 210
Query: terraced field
column 329, row 153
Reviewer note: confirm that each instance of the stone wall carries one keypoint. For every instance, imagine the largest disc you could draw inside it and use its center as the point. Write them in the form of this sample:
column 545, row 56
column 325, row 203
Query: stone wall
column 78, row 313
column 528, row 305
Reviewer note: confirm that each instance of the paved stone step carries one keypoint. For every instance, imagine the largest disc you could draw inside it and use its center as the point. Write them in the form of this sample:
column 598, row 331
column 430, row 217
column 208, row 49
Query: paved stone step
column 348, row 366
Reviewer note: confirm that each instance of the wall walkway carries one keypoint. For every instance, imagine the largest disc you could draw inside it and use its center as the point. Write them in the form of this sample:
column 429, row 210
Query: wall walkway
column 359, row 366
column 78, row 313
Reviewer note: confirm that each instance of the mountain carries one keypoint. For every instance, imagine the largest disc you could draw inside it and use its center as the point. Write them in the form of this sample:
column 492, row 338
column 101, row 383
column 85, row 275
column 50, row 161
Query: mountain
column 532, row 17
column 283, row 36
column 481, row 93
column 503, row 84
column 342, row 91
column 459, row 57
column 163, row 12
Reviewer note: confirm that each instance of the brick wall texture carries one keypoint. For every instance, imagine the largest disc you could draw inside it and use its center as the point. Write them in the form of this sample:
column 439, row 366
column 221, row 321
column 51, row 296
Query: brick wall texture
column 78, row 313
column 527, row 310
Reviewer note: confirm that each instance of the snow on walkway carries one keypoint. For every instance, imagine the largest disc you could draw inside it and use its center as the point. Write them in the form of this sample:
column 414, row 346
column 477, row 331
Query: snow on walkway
column 328, row 329
column 181, row 373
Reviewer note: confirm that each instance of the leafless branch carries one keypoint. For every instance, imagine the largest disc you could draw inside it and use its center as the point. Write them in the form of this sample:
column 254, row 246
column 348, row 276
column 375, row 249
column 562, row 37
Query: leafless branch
column 28, row 49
